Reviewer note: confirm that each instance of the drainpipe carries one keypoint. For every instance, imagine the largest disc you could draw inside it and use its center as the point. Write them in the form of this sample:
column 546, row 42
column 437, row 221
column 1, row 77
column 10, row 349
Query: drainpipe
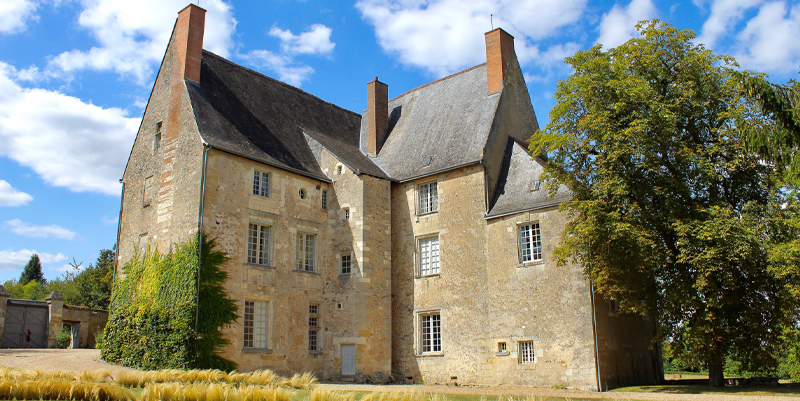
column 594, row 329
column 206, row 148
column 119, row 228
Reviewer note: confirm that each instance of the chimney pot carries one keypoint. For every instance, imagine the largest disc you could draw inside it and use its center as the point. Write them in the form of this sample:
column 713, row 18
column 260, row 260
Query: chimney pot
column 377, row 115
column 499, row 54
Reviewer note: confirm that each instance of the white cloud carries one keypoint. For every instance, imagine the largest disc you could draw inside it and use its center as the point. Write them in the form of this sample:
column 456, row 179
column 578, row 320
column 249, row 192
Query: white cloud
column 724, row 15
column 771, row 40
column 19, row 227
column 67, row 142
column 288, row 71
column 108, row 221
column 619, row 24
column 15, row 14
column 316, row 40
column 131, row 37
column 16, row 260
column 445, row 36
column 9, row 196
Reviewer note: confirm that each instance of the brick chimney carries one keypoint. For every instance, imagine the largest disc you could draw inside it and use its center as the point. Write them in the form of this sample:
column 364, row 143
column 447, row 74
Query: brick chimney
column 189, row 41
column 377, row 115
column 499, row 53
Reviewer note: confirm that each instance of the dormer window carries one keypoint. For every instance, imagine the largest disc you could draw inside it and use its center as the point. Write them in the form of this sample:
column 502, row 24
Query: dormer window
column 535, row 185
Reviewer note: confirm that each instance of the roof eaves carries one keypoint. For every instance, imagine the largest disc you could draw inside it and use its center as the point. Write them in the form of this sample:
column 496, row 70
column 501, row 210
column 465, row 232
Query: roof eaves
column 443, row 170
column 286, row 168
column 348, row 165
column 529, row 209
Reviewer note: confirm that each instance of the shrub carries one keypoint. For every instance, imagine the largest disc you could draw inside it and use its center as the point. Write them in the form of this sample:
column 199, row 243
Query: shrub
column 63, row 338
column 98, row 339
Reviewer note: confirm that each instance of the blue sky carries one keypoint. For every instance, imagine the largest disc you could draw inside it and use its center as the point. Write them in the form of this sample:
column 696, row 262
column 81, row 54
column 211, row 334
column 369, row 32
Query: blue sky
column 75, row 76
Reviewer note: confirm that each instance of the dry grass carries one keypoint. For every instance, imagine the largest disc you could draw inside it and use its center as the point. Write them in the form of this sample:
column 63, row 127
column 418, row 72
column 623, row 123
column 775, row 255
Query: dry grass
column 213, row 392
column 62, row 389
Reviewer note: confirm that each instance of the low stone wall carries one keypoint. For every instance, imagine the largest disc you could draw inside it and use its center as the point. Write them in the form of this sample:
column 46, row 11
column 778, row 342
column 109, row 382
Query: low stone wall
column 91, row 320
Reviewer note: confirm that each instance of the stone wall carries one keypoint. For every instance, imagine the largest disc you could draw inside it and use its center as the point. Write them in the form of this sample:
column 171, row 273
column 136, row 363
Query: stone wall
column 91, row 320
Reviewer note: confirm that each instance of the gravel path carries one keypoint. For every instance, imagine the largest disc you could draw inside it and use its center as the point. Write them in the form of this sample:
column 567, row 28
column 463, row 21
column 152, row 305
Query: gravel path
column 79, row 359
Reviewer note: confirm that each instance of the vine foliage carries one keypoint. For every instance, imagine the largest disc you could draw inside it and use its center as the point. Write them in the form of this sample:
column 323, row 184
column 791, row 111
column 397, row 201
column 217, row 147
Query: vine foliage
column 154, row 321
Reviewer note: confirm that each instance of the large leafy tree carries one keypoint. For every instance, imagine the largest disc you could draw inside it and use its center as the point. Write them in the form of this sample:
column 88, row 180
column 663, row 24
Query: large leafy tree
column 670, row 213
column 93, row 284
column 32, row 271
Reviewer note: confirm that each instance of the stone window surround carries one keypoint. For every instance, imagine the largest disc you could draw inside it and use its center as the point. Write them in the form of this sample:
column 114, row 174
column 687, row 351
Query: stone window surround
column 270, row 256
column 339, row 264
column 518, row 230
column 418, row 198
column 418, row 254
column 418, row 315
column 533, row 351
column 268, row 301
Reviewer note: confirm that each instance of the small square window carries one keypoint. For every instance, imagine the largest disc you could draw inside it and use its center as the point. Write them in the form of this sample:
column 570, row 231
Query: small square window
column 526, row 352
column 346, row 213
column 535, row 185
column 338, row 170
column 501, row 347
column 428, row 198
column 261, row 183
column 345, row 262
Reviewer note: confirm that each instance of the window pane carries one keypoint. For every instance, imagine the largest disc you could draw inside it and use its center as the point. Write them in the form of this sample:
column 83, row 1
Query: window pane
column 256, row 183
column 309, row 252
column 260, row 329
column 299, row 254
column 265, row 185
column 431, row 332
column 530, row 243
column 526, row 353
column 249, row 310
column 429, row 256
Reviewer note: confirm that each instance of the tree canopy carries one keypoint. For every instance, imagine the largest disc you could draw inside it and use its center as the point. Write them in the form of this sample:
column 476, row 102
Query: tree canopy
column 671, row 214
column 32, row 271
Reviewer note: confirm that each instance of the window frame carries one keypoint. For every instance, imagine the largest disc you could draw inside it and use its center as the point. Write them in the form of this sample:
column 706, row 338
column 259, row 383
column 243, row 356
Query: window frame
column 342, row 257
column 258, row 187
column 431, row 202
column 324, row 199
column 314, row 325
column 421, row 271
column 526, row 350
column 259, row 237
column 531, row 244
column 435, row 327
column 254, row 313
column 302, row 257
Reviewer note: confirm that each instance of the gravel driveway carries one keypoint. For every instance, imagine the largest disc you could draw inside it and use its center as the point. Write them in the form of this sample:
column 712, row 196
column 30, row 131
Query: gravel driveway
column 79, row 359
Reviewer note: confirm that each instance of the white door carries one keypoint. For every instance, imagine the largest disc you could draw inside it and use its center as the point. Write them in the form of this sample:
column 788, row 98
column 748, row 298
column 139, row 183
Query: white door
column 348, row 359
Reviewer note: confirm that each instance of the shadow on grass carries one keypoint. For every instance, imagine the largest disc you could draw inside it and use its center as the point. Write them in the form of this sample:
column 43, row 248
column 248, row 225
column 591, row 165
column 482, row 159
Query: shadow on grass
column 703, row 389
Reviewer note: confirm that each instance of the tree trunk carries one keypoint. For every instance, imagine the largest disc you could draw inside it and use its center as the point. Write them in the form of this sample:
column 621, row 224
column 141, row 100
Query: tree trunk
column 715, row 377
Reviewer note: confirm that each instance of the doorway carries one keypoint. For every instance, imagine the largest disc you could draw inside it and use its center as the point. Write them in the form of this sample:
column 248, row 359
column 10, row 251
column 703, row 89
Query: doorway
column 348, row 359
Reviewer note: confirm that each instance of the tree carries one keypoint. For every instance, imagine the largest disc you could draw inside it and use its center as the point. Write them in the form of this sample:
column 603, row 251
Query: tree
column 670, row 213
column 33, row 271
column 93, row 284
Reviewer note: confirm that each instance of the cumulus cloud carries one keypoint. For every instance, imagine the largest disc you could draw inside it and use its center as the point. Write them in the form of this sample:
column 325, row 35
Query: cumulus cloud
column 131, row 38
column 618, row 25
column 67, row 142
column 15, row 14
column 287, row 69
column 19, row 227
column 724, row 15
column 16, row 260
column 445, row 36
column 770, row 41
column 316, row 40
column 9, row 196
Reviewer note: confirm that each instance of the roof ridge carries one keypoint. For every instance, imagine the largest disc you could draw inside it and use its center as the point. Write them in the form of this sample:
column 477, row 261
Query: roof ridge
column 279, row 82
column 437, row 81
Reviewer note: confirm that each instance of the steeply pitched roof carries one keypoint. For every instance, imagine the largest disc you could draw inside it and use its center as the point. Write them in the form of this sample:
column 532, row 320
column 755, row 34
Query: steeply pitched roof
column 514, row 194
column 246, row 113
column 438, row 126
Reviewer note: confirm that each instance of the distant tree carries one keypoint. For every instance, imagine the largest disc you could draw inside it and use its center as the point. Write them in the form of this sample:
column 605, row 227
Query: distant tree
column 671, row 214
column 33, row 271
column 93, row 284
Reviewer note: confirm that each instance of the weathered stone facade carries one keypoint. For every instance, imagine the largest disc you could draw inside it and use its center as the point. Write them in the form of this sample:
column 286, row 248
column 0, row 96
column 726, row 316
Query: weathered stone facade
column 328, row 265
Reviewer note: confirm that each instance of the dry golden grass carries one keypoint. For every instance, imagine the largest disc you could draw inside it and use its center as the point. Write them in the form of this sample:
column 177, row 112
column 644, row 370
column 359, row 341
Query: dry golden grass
column 62, row 389
column 213, row 392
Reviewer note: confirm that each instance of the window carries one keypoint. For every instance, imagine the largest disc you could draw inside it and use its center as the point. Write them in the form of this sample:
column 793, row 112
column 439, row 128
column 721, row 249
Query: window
column 302, row 193
column 530, row 243
column 428, row 198
column 261, row 184
column 501, row 347
column 156, row 142
column 313, row 328
column 535, row 185
column 345, row 262
column 255, row 324
column 431, row 333
column 338, row 169
column 429, row 256
column 324, row 198
column 526, row 354
column 258, row 244
column 613, row 307
column 346, row 213
column 305, row 251
column 148, row 191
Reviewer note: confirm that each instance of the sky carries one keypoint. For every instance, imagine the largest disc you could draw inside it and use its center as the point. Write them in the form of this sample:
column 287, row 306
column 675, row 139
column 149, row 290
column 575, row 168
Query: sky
column 75, row 76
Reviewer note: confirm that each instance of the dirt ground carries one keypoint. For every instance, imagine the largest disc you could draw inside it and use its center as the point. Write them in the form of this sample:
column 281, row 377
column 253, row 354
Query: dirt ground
column 89, row 359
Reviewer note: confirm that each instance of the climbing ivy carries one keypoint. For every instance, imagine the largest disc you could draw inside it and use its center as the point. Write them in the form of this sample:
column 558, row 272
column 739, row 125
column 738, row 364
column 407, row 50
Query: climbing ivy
column 154, row 306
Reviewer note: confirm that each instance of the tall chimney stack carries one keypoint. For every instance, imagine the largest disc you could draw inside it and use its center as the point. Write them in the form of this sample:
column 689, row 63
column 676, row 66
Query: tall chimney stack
column 189, row 41
column 377, row 115
column 499, row 53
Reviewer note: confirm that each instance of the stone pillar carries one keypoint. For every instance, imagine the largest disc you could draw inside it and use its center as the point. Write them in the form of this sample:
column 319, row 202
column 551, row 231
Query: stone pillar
column 55, row 302
column 4, row 295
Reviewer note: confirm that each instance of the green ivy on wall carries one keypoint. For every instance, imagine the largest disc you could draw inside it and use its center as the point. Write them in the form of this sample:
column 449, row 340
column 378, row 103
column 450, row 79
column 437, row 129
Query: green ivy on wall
column 152, row 317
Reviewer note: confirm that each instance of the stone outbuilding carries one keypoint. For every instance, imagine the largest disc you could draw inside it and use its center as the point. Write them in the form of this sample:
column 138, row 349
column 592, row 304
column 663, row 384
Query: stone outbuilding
column 413, row 240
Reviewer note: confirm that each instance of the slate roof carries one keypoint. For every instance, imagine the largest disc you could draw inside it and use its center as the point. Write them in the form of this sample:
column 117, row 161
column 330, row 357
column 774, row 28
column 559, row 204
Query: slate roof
column 246, row 113
column 514, row 187
column 438, row 126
